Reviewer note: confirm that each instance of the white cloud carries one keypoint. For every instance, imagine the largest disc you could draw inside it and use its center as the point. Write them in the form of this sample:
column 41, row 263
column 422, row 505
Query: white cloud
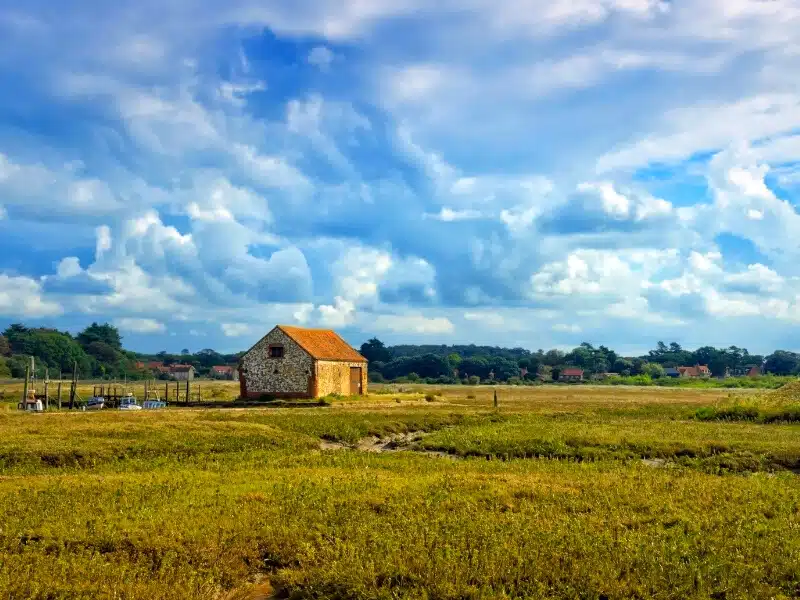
column 634, row 206
column 339, row 314
column 410, row 324
column 235, row 329
column 449, row 215
column 321, row 57
column 709, row 127
column 586, row 272
column 69, row 267
column 236, row 93
column 490, row 319
column 22, row 297
column 564, row 328
column 758, row 279
column 303, row 314
column 140, row 325
column 54, row 191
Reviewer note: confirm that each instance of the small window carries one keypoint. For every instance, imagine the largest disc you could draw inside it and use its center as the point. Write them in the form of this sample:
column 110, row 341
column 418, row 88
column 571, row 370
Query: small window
column 276, row 351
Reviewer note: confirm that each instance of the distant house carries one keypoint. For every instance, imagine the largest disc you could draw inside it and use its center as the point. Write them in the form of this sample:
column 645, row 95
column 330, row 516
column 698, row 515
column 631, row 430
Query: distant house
column 223, row 372
column 672, row 372
column 745, row 371
column 571, row 375
column 695, row 372
column 150, row 366
column 182, row 372
column 293, row 362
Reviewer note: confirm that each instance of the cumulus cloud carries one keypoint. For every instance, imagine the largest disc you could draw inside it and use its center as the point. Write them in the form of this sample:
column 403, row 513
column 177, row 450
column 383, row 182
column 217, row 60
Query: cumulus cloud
column 414, row 324
column 235, row 329
column 69, row 267
column 21, row 297
column 140, row 325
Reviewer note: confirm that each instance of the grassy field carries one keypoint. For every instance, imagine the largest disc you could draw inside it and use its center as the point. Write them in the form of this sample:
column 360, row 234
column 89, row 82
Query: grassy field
column 580, row 493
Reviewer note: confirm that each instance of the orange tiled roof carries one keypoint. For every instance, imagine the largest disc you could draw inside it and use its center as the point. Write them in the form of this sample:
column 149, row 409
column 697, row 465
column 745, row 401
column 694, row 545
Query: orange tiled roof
column 322, row 344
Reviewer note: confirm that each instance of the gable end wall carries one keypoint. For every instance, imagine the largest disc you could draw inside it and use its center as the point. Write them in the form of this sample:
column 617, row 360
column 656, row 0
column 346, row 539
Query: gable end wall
column 292, row 379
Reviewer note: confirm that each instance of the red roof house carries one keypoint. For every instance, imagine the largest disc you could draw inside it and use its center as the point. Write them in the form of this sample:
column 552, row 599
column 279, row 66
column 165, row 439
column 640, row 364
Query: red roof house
column 571, row 374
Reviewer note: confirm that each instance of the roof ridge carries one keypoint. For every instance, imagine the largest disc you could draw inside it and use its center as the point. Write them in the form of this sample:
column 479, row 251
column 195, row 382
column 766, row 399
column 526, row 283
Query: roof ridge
column 322, row 344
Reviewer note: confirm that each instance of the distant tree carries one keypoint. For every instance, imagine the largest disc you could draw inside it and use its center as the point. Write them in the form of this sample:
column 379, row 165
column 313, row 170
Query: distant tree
column 103, row 353
column 5, row 370
column 108, row 334
column 622, row 365
column 782, row 362
column 5, row 347
column 477, row 365
column 474, row 380
column 545, row 373
column 553, row 358
column 454, row 359
column 376, row 377
column 637, row 366
column 185, row 352
column 654, row 370
column 375, row 350
column 17, row 365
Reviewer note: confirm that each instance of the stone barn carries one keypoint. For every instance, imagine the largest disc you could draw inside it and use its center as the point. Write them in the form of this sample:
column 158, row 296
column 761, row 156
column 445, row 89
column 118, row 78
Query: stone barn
column 294, row 362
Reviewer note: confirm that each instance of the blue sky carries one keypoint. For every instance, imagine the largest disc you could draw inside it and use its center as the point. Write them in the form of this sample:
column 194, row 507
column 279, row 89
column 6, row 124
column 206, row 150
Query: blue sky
column 519, row 173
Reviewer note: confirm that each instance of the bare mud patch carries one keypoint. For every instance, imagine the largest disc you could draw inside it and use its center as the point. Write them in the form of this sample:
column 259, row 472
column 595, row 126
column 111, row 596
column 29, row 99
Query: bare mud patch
column 397, row 442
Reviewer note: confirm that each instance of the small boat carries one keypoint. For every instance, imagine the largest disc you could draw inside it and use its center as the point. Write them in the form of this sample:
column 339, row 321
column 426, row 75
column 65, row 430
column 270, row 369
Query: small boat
column 128, row 402
column 95, row 403
column 152, row 401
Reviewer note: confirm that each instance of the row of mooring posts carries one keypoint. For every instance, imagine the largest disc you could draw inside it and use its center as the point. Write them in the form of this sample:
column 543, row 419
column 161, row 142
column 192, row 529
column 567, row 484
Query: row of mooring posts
column 29, row 394
column 179, row 392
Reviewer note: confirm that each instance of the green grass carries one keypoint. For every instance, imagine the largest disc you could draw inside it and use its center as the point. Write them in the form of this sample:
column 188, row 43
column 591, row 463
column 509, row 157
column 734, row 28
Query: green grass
column 551, row 500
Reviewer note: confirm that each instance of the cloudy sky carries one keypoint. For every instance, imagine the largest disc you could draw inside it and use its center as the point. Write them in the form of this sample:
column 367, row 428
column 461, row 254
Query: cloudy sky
column 526, row 172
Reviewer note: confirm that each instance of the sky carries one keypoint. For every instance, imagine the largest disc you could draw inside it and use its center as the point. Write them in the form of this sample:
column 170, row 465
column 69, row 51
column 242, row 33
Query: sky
column 522, row 173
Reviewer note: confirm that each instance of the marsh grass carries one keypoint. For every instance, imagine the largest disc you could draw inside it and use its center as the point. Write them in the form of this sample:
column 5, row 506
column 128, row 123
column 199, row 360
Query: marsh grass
column 217, row 504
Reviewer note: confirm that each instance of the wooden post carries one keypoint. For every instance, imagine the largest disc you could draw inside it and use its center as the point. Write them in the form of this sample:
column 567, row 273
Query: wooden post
column 59, row 392
column 25, row 388
column 187, row 389
column 74, row 387
column 495, row 398
column 166, row 392
column 177, row 391
column 46, row 388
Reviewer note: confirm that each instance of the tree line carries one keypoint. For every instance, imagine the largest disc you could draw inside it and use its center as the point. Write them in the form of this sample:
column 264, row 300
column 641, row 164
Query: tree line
column 97, row 352
column 474, row 364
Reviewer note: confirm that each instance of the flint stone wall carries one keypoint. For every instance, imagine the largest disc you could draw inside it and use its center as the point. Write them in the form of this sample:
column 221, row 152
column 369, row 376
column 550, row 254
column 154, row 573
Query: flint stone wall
column 293, row 370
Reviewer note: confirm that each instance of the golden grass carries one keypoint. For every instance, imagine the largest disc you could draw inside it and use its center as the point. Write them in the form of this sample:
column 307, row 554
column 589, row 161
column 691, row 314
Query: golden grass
column 233, row 504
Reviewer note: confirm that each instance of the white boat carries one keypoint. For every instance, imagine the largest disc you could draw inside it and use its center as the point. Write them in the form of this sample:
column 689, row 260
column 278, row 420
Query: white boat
column 152, row 401
column 95, row 403
column 128, row 402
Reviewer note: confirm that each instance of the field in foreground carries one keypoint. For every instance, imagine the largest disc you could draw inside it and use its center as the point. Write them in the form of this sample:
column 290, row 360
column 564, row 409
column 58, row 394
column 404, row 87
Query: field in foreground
column 583, row 493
